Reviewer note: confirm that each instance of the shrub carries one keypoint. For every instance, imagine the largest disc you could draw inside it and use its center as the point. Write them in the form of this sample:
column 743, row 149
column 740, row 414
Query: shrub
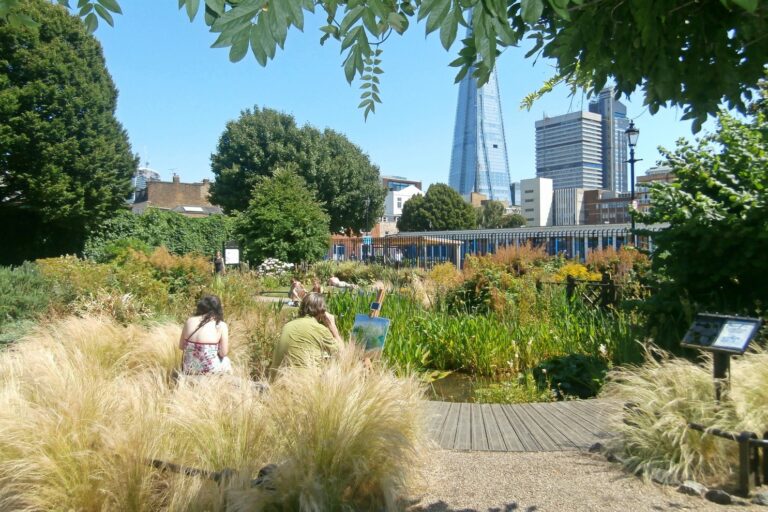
column 24, row 293
column 626, row 264
column 572, row 375
column 577, row 271
column 520, row 258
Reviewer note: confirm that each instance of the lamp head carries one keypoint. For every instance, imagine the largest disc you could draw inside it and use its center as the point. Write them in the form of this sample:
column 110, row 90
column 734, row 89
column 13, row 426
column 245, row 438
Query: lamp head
column 632, row 134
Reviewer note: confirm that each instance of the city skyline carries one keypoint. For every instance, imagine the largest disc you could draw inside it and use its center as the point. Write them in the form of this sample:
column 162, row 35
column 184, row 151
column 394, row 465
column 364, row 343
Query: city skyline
column 176, row 95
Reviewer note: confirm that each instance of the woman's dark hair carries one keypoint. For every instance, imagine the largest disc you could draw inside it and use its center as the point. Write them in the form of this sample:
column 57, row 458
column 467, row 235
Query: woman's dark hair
column 209, row 307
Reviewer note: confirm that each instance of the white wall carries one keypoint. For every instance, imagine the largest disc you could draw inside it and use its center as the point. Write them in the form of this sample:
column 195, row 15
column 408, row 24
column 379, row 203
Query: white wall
column 536, row 198
column 393, row 203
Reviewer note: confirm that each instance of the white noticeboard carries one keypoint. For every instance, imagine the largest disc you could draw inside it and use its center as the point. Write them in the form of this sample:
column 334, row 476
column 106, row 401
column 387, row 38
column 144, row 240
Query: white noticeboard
column 232, row 256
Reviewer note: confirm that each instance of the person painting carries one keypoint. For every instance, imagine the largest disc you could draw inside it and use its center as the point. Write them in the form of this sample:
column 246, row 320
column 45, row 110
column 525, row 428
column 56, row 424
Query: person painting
column 218, row 264
column 309, row 339
column 204, row 340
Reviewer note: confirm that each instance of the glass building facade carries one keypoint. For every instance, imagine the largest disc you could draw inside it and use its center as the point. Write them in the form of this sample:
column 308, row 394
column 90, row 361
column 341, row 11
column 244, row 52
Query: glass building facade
column 479, row 156
column 615, row 124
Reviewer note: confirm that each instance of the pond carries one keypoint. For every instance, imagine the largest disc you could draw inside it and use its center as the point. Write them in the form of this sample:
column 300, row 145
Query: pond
column 457, row 387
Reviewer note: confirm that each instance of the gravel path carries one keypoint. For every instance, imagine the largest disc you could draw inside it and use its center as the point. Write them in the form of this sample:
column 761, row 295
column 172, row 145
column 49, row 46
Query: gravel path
column 542, row 482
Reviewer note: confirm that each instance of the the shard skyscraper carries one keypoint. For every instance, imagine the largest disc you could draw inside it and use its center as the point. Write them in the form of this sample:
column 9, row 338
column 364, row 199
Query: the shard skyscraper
column 479, row 157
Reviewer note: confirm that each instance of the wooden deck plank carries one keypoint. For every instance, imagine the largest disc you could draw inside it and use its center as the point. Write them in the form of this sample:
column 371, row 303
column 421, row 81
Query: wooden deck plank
column 448, row 431
column 464, row 429
column 558, row 417
column 509, row 433
column 530, row 432
column 598, row 424
column 479, row 429
column 492, row 430
column 545, row 422
column 436, row 415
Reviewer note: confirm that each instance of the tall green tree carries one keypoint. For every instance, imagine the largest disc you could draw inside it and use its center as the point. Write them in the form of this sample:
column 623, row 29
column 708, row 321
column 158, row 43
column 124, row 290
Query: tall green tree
column 714, row 250
column 440, row 209
column 284, row 220
column 692, row 54
column 263, row 140
column 512, row 220
column 490, row 215
column 65, row 161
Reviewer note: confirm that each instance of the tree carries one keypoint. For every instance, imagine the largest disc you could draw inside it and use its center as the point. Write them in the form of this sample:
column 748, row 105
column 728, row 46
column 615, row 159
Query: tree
column 264, row 140
column 714, row 250
column 691, row 54
column 440, row 209
column 284, row 220
column 512, row 220
column 490, row 214
column 65, row 161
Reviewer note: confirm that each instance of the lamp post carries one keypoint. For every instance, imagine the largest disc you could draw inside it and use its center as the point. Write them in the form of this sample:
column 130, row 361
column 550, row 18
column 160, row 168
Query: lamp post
column 632, row 134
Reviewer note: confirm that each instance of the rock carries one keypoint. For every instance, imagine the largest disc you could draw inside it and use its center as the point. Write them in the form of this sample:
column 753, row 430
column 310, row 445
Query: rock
column 692, row 488
column 596, row 448
column 663, row 477
column 718, row 496
column 612, row 457
column 761, row 498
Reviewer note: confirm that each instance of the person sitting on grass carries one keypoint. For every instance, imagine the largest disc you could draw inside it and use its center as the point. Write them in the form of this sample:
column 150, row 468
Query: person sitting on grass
column 309, row 339
column 205, row 340
column 297, row 291
column 317, row 286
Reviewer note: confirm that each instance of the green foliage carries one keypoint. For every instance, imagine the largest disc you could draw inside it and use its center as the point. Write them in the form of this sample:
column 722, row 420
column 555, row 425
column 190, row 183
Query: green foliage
column 440, row 209
column 490, row 215
column 572, row 375
column 262, row 141
column 155, row 228
column 688, row 54
column 523, row 389
column 512, row 220
column 284, row 220
column 65, row 163
column 23, row 293
column 714, row 250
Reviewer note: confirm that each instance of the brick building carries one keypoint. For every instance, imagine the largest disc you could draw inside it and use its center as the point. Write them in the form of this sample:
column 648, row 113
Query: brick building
column 189, row 199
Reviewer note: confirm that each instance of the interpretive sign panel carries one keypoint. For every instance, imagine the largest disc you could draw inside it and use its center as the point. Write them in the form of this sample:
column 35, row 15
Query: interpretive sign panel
column 721, row 333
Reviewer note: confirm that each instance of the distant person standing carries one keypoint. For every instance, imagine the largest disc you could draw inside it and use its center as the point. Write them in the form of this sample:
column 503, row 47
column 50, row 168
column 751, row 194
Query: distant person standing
column 218, row 264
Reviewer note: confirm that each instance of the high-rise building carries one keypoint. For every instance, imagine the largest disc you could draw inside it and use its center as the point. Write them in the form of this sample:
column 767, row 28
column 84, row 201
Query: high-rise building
column 479, row 156
column 615, row 124
column 569, row 150
column 536, row 204
column 139, row 182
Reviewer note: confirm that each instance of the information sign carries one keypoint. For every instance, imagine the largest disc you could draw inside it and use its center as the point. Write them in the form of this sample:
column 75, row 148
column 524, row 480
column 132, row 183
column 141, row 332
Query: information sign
column 367, row 240
column 721, row 333
column 232, row 256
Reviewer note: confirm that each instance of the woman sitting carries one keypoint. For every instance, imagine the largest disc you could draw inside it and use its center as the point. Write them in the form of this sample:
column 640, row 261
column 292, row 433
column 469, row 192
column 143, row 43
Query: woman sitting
column 205, row 340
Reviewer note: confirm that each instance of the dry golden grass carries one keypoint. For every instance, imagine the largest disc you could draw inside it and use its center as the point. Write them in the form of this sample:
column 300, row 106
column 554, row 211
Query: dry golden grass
column 665, row 394
column 85, row 403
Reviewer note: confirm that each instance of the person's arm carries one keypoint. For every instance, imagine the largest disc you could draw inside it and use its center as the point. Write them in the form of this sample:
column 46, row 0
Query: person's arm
column 184, row 336
column 330, row 322
column 224, row 341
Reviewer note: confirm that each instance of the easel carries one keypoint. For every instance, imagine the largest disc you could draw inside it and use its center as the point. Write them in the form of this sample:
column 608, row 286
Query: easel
column 376, row 305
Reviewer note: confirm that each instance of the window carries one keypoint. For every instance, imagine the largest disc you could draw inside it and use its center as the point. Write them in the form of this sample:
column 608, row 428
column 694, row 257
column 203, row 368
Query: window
column 529, row 191
column 529, row 209
column 495, row 146
column 399, row 202
column 529, row 200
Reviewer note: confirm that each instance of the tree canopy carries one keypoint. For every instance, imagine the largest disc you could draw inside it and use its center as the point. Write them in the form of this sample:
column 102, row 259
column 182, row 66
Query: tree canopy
column 490, row 215
column 284, row 220
column 440, row 209
column 262, row 141
column 691, row 54
column 65, row 161
column 714, row 250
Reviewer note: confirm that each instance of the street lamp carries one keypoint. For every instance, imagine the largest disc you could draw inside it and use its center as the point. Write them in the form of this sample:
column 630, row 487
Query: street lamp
column 632, row 134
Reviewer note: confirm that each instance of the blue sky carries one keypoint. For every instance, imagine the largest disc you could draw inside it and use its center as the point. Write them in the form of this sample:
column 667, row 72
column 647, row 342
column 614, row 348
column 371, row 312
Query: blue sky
column 177, row 93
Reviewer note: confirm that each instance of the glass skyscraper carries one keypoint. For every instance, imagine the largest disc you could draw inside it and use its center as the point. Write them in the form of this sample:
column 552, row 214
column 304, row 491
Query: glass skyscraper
column 479, row 156
column 615, row 124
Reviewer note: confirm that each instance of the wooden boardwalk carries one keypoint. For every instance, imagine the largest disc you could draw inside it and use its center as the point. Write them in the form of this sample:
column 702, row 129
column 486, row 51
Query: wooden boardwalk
column 537, row 427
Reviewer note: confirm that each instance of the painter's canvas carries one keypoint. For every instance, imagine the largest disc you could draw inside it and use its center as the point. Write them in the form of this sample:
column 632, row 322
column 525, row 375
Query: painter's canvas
column 370, row 333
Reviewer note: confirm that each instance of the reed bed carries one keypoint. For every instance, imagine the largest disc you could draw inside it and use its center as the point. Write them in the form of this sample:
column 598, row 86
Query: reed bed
column 86, row 402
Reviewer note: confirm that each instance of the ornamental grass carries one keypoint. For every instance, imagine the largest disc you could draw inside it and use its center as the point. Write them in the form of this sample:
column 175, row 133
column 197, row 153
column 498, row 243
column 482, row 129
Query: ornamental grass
column 85, row 403
column 666, row 393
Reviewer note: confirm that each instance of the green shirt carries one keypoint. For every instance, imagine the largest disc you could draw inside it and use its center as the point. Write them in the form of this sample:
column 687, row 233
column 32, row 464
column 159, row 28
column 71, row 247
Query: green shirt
column 304, row 342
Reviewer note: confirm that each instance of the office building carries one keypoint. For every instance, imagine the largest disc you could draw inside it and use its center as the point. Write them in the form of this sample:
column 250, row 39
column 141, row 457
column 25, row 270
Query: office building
column 569, row 207
column 394, row 183
column 536, row 204
column 614, row 124
column 479, row 156
column 569, row 150
column 659, row 174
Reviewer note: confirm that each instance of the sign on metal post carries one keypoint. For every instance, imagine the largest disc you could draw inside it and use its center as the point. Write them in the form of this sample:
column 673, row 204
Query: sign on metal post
column 231, row 253
column 367, row 240
column 724, row 336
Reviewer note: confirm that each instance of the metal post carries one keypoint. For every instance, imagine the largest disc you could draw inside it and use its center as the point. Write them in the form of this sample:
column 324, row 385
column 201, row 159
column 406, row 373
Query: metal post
column 721, row 369
column 632, row 189
column 743, row 440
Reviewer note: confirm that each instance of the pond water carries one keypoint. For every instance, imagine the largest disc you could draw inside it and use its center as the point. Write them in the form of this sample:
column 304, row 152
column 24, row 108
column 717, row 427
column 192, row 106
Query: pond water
column 457, row 387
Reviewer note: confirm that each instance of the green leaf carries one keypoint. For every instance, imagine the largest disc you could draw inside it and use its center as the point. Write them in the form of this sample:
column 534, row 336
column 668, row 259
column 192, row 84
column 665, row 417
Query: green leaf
column 91, row 23
column 397, row 21
column 192, row 7
column 111, row 5
column 216, row 6
column 349, row 67
column 258, row 51
column 101, row 11
column 18, row 19
column 448, row 30
column 350, row 19
column 239, row 47
column 438, row 15
column 531, row 10
column 749, row 5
